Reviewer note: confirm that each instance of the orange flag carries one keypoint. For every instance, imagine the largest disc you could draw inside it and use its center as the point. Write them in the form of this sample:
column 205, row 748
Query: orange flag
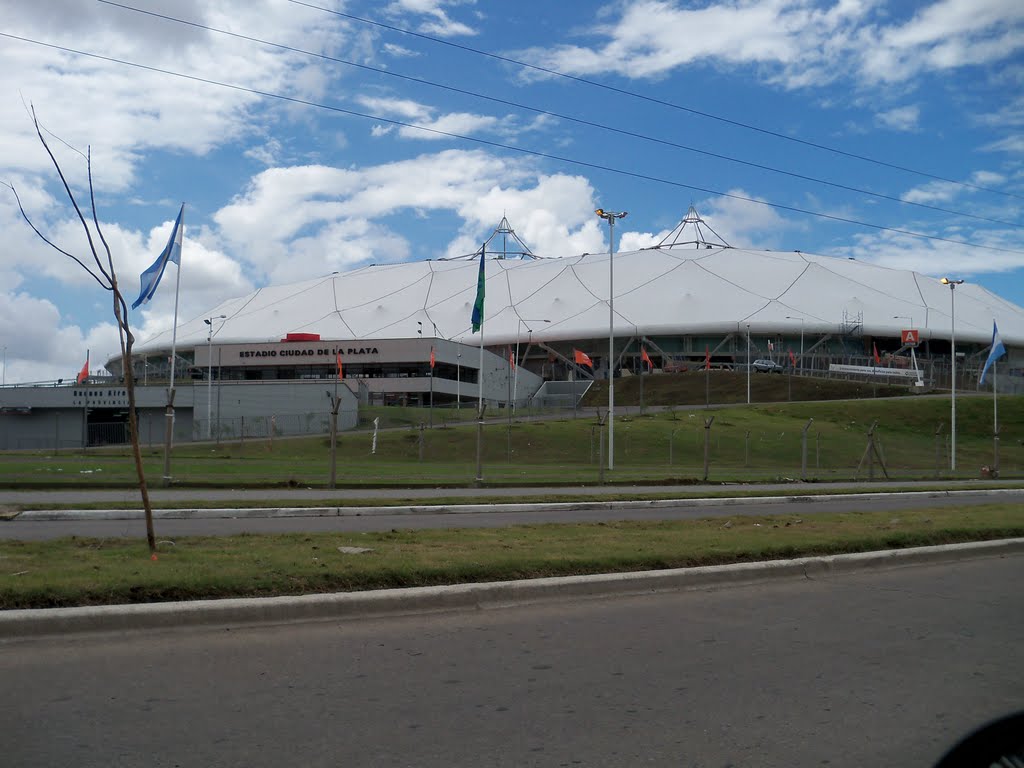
column 431, row 357
column 877, row 358
column 511, row 358
column 646, row 358
column 84, row 373
column 792, row 358
column 707, row 358
column 339, row 364
column 582, row 358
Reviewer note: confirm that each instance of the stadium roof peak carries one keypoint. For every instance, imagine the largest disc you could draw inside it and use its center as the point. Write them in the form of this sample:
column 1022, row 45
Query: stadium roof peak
column 503, row 248
column 692, row 220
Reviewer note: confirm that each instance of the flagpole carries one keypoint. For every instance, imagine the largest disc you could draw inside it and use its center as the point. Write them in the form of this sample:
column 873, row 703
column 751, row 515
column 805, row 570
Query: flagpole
column 480, row 373
column 169, row 424
column 995, row 419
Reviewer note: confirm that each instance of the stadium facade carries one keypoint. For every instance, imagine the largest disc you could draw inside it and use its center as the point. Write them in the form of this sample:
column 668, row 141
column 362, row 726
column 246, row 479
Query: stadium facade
column 688, row 301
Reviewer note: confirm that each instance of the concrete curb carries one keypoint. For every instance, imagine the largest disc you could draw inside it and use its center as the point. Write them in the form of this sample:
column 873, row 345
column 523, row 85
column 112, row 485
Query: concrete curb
column 466, row 509
column 392, row 602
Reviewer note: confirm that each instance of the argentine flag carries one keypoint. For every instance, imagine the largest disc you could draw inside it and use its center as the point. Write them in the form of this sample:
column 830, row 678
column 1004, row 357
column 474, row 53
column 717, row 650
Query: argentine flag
column 997, row 350
column 172, row 252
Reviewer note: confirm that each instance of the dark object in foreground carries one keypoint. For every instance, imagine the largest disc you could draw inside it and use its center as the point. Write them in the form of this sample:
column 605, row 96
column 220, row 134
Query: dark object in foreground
column 1000, row 743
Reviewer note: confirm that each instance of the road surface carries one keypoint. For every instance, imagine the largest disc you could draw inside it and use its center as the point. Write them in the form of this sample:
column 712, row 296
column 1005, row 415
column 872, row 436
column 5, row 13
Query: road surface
column 875, row 668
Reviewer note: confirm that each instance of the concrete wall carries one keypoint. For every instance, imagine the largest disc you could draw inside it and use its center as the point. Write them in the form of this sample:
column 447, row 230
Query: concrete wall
column 44, row 418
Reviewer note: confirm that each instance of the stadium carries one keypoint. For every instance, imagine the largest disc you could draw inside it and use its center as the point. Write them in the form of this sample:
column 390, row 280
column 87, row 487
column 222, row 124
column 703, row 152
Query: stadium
column 689, row 302
column 278, row 361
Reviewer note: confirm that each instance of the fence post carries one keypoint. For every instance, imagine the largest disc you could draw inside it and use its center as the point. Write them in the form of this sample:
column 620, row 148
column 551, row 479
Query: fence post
column 421, row 441
column 707, row 445
column 938, row 449
column 871, row 453
column 746, row 449
column 817, row 450
column 803, row 450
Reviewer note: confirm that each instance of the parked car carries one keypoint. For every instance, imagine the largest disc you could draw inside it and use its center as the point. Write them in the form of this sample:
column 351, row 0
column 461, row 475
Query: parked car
column 768, row 366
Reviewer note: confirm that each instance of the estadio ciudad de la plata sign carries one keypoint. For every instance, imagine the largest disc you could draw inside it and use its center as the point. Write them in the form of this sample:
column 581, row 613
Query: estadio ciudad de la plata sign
column 287, row 353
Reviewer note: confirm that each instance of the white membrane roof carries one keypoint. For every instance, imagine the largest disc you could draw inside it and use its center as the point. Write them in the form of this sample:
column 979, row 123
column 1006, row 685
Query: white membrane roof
column 658, row 292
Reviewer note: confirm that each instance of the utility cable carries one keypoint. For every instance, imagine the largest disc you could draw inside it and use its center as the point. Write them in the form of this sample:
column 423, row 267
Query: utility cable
column 560, row 116
column 509, row 147
column 653, row 100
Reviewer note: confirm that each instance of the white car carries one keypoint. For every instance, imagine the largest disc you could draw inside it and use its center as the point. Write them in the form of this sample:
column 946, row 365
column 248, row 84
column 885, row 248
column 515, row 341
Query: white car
column 768, row 366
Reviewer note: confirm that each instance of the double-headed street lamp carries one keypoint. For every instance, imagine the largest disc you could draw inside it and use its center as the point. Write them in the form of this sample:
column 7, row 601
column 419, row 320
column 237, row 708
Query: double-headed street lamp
column 209, row 374
column 610, row 217
column 952, row 350
column 519, row 330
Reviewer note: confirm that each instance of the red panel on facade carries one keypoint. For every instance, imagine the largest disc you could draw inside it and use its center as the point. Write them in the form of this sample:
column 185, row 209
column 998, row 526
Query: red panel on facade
column 302, row 337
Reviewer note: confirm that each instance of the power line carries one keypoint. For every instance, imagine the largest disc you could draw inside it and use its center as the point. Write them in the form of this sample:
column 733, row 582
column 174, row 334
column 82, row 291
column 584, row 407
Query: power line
column 653, row 100
column 508, row 147
column 561, row 116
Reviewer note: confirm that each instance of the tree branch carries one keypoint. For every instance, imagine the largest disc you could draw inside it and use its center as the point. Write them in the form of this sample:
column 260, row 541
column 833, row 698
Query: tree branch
column 71, row 196
column 53, row 245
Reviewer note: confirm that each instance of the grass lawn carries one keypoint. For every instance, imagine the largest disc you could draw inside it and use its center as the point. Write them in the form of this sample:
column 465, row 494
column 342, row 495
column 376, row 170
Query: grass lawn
column 747, row 444
column 79, row 571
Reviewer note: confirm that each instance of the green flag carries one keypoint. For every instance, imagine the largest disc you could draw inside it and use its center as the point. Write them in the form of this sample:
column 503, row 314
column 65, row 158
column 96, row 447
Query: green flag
column 478, row 305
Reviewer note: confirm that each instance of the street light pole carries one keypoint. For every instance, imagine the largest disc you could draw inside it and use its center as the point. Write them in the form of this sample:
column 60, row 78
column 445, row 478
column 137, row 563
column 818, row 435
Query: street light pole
column 209, row 374
column 458, row 380
column 952, row 350
column 610, row 217
column 748, row 363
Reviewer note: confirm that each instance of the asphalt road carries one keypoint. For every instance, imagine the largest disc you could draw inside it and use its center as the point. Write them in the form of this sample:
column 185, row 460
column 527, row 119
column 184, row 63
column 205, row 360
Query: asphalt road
column 37, row 530
column 876, row 668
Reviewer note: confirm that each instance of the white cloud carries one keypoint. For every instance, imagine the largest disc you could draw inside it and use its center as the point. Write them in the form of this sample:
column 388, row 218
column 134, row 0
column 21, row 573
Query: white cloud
column 932, row 192
column 46, row 348
column 438, row 22
column 791, row 42
column 175, row 115
column 935, row 257
column 1012, row 144
column 266, row 153
column 398, row 51
column 900, row 118
column 294, row 223
column 745, row 224
column 945, row 35
column 457, row 123
column 945, row 191
column 429, row 127
column 406, row 109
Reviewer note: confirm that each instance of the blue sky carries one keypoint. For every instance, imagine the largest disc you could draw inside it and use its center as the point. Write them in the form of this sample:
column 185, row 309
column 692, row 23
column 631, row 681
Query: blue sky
column 328, row 142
